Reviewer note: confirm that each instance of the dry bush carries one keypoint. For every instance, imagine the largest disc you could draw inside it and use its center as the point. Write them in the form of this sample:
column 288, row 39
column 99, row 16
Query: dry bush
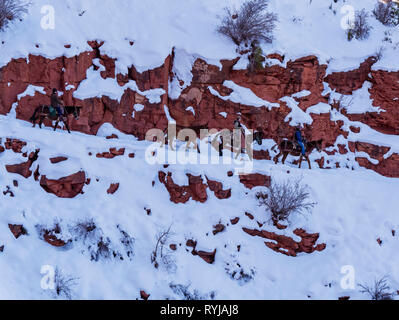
column 285, row 198
column 387, row 13
column 63, row 284
column 250, row 23
column 360, row 28
column 11, row 10
column 379, row 290
column 161, row 239
column 183, row 291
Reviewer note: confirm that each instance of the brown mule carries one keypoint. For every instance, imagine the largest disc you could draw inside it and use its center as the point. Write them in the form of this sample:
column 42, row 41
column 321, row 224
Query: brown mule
column 289, row 147
column 43, row 112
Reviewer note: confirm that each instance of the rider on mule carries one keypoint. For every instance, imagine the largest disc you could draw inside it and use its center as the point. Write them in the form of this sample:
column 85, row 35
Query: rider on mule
column 299, row 140
column 56, row 103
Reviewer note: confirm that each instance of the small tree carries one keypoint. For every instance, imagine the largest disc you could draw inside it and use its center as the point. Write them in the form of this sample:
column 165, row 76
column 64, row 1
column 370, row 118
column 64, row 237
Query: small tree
column 256, row 60
column 387, row 13
column 360, row 28
column 285, row 199
column 250, row 23
column 11, row 10
column 379, row 290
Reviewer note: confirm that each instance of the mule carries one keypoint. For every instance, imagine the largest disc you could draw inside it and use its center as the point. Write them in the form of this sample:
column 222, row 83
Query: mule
column 43, row 112
column 289, row 147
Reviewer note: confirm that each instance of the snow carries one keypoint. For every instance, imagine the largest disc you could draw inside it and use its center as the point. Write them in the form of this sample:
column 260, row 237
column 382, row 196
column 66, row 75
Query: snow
column 350, row 238
column 243, row 95
column 296, row 116
column 354, row 206
column 359, row 102
column 96, row 86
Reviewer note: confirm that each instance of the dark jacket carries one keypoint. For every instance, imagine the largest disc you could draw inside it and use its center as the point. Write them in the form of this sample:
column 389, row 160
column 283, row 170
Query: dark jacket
column 55, row 102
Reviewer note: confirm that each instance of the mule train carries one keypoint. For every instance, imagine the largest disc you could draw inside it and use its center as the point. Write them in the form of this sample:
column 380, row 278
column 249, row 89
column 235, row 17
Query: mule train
column 46, row 112
column 232, row 141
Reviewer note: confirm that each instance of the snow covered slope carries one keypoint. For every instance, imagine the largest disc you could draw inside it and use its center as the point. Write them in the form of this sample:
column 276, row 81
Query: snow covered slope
column 354, row 209
column 102, row 239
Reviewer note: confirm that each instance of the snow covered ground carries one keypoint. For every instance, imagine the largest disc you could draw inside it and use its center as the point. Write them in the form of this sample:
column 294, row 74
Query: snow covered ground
column 354, row 207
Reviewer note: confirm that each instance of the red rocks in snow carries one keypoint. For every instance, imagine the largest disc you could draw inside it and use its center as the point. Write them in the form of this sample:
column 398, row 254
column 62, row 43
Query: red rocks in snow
column 51, row 238
column 261, row 155
column 66, row 187
column 217, row 188
column 36, row 174
column 131, row 155
column 270, row 84
column 23, row 169
column 15, row 145
column 208, row 257
column 349, row 81
column 218, row 228
column 113, row 152
column 235, row 220
column 58, row 159
column 354, row 129
column 113, row 188
column 388, row 167
column 144, row 295
column 249, row 215
column 112, row 136
column 191, row 243
column 255, row 180
column 17, row 230
column 196, row 189
column 287, row 245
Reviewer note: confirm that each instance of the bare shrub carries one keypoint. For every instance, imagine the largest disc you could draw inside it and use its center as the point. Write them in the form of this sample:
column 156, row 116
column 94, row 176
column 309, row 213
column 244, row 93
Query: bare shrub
column 379, row 290
column 183, row 291
column 128, row 243
column 63, row 284
column 100, row 246
column 250, row 23
column 285, row 198
column 387, row 13
column 161, row 239
column 11, row 10
column 360, row 28
column 84, row 229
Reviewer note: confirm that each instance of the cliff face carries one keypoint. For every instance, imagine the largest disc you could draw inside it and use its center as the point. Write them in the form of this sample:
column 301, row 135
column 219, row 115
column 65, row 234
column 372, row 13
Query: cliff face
column 271, row 84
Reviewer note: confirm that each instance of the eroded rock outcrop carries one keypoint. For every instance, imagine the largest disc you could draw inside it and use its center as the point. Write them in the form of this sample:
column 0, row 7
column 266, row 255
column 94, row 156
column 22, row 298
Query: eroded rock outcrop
column 271, row 84
column 255, row 180
column 66, row 187
column 17, row 230
column 287, row 245
column 217, row 188
column 195, row 190
column 23, row 169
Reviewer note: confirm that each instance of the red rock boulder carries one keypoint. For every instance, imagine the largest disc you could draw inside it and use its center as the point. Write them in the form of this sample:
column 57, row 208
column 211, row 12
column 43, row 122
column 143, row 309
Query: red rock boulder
column 66, row 187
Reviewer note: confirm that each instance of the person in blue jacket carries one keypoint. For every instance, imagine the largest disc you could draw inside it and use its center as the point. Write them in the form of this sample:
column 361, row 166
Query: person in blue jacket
column 299, row 139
